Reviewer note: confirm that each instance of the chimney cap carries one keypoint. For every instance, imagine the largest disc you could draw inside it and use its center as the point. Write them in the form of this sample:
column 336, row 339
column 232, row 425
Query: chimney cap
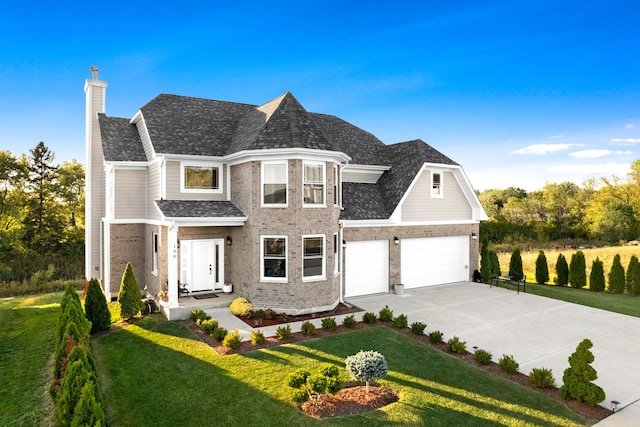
column 94, row 72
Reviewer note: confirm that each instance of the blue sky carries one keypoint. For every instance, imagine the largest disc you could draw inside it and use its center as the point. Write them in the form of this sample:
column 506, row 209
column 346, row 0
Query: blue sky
column 519, row 92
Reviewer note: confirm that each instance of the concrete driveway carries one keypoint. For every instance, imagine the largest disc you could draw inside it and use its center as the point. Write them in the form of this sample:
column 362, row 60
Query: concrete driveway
column 537, row 331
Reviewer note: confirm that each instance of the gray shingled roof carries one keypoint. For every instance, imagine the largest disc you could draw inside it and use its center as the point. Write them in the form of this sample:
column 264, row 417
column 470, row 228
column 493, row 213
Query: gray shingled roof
column 198, row 209
column 120, row 140
column 362, row 201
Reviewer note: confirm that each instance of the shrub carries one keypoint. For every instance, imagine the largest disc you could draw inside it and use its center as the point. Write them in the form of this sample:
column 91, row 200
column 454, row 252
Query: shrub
column 283, row 332
column 454, row 345
column 485, row 261
column 616, row 276
column 495, row 263
column 435, row 337
column 257, row 337
column 329, row 324
column 386, row 314
column 199, row 315
column 508, row 364
column 329, row 370
column 129, row 297
column 308, row 328
column 95, row 307
column 633, row 276
column 298, row 378
column 299, row 396
column 577, row 378
column 596, row 277
column 350, row 321
column 578, row 271
column 240, row 307
column 312, row 386
column 483, row 357
column 232, row 340
column 88, row 411
column 369, row 318
column 367, row 366
column 219, row 333
column 401, row 321
column 542, row 269
column 542, row 378
column 417, row 328
column 562, row 271
column 515, row 265
column 39, row 279
column 208, row 326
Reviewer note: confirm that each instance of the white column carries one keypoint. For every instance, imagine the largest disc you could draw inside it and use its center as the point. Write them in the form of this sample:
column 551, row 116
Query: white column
column 172, row 273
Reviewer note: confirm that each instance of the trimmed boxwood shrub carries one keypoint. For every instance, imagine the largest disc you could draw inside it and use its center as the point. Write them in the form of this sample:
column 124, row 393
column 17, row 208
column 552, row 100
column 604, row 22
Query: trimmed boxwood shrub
column 308, row 328
column 329, row 324
column 219, row 333
column 542, row 378
column 240, row 307
column 508, row 364
column 350, row 321
column 435, row 337
column 401, row 321
column 369, row 318
column 386, row 314
column 417, row 328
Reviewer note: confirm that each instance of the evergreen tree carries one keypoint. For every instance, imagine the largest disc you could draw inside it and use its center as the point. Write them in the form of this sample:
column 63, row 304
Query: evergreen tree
column 129, row 297
column 633, row 276
column 578, row 270
column 616, row 276
column 562, row 271
column 95, row 307
column 515, row 265
column 485, row 261
column 88, row 411
column 542, row 269
column 76, row 375
column 596, row 277
column 578, row 376
column 495, row 263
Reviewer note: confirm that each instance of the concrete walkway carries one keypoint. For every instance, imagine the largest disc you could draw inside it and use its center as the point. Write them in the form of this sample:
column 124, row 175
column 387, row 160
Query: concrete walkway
column 537, row 331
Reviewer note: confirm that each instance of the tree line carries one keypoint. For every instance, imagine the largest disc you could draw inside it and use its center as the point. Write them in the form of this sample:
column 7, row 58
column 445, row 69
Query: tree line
column 603, row 211
column 41, row 216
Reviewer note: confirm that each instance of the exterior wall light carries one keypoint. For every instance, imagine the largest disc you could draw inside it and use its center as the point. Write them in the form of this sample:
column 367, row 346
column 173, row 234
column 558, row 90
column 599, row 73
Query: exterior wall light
column 229, row 241
column 396, row 240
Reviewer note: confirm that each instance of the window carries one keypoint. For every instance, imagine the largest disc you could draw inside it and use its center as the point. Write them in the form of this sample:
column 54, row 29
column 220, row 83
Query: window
column 200, row 178
column 313, row 257
column 336, row 254
column 436, row 184
column 274, row 183
column 274, row 258
column 154, row 252
column 336, row 199
column 313, row 182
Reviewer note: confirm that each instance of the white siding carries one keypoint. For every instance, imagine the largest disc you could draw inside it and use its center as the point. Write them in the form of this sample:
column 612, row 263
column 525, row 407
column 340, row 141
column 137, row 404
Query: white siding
column 173, row 185
column 153, row 189
column 420, row 206
column 130, row 193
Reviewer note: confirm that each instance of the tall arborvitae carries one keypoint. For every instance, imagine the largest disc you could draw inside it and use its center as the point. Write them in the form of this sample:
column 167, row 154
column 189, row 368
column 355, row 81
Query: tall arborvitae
column 578, row 270
column 485, row 261
column 633, row 276
column 616, row 276
column 562, row 271
column 596, row 277
column 129, row 297
column 95, row 307
column 578, row 376
column 495, row 263
column 515, row 265
column 542, row 269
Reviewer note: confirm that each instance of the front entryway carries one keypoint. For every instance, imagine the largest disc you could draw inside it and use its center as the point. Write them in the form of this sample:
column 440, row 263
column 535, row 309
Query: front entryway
column 202, row 264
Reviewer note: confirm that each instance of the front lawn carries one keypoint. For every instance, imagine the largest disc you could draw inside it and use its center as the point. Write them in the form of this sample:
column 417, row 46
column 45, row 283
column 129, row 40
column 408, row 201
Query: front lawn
column 156, row 372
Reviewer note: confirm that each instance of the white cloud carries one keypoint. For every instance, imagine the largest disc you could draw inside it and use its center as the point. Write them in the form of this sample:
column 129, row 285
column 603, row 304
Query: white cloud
column 558, row 136
column 590, row 154
column 625, row 141
column 619, row 169
column 629, row 126
column 541, row 149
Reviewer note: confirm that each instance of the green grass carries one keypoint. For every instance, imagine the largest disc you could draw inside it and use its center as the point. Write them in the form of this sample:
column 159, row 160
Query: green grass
column 27, row 327
column 158, row 373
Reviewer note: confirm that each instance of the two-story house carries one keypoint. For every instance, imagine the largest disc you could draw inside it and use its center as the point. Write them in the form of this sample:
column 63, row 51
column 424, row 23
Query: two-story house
column 297, row 210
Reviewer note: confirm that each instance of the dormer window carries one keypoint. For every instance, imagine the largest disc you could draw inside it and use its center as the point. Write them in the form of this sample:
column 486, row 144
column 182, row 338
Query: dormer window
column 436, row 184
column 200, row 178
column 313, row 182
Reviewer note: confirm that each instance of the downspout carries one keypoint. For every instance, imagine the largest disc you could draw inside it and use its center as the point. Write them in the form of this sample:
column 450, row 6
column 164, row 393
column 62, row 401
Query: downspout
column 341, row 240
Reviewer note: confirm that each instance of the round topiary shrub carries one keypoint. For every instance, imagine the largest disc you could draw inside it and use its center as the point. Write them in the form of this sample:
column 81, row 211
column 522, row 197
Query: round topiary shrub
column 240, row 307
column 308, row 328
column 367, row 366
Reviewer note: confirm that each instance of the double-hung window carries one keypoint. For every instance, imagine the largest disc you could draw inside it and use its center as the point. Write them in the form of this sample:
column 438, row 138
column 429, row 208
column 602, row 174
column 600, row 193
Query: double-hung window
column 313, row 257
column 436, row 184
column 313, row 183
column 273, row 252
column 200, row 178
column 274, row 183
column 154, row 253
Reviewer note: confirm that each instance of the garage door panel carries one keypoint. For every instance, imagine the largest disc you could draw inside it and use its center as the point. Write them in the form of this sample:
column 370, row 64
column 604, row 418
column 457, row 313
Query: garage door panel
column 433, row 261
column 366, row 267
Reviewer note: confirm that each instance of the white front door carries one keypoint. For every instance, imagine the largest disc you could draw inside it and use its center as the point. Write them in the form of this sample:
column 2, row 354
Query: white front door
column 202, row 264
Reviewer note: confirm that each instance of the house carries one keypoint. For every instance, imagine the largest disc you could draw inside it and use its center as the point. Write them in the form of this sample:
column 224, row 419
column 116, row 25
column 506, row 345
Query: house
column 297, row 210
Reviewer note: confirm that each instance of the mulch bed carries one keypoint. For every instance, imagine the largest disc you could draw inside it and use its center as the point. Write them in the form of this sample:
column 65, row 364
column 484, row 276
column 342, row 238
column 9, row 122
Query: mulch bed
column 352, row 400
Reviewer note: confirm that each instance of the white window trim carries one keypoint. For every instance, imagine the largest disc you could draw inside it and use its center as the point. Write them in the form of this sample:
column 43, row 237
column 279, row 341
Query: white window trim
column 324, row 185
column 262, row 182
column 441, row 193
column 197, row 164
column 322, row 276
column 284, row 279
column 336, row 254
column 155, row 249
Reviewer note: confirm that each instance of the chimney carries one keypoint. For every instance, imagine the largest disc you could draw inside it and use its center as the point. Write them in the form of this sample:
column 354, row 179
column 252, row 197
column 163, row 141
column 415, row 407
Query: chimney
column 94, row 72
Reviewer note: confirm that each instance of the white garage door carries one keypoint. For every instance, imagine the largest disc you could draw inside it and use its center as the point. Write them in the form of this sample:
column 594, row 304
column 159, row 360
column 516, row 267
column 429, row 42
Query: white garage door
column 434, row 261
column 366, row 267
